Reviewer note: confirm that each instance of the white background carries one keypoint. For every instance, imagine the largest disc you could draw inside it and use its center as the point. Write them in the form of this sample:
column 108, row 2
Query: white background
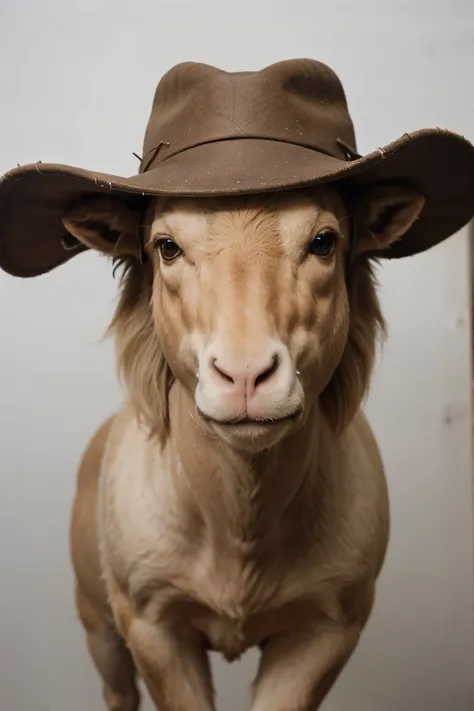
column 76, row 85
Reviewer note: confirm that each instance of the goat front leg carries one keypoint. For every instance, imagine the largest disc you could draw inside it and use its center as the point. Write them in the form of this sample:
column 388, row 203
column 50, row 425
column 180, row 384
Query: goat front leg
column 299, row 667
column 170, row 657
column 174, row 666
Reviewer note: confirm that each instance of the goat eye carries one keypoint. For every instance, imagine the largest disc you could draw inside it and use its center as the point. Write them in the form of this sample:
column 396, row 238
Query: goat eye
column 169, row 250
column 323, row 244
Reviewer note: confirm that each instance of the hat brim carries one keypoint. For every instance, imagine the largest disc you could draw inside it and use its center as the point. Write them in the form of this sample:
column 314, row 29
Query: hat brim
column 440, row 164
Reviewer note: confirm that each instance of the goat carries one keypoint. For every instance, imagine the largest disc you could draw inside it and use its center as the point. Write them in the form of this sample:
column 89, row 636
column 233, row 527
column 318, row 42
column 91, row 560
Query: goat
column 238, row 498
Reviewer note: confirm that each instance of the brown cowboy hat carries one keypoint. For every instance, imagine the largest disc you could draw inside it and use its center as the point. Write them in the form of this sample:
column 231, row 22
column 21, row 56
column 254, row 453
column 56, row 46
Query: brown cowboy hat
column 215, row 133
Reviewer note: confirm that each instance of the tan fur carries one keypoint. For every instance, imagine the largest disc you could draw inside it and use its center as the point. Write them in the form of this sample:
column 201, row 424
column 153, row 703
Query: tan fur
column 219, row 536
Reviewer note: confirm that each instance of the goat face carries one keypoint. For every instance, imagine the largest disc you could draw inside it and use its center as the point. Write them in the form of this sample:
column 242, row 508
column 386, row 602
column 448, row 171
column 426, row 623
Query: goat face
column 250, row 304
column 249, row 301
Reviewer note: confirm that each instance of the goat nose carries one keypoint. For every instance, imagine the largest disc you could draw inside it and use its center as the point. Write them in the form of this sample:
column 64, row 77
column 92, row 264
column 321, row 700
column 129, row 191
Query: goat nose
column 245, row 379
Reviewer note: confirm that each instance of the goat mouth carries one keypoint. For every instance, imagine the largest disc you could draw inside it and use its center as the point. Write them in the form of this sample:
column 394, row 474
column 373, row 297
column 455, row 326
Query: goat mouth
column 255, row 421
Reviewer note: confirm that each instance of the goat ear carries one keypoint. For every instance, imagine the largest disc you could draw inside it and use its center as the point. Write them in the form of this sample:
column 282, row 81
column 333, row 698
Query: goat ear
column 106, row 224
column 384, row 213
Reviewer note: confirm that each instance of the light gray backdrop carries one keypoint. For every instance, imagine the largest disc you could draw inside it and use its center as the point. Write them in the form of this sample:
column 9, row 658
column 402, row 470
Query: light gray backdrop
column 76, row 85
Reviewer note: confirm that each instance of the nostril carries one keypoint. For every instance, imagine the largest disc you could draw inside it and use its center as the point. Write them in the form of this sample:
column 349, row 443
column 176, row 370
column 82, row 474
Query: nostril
column 221, row 373
column 268, row 372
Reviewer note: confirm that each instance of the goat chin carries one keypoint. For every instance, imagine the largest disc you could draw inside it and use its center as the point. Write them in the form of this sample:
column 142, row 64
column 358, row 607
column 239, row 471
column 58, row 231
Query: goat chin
column 252, row 437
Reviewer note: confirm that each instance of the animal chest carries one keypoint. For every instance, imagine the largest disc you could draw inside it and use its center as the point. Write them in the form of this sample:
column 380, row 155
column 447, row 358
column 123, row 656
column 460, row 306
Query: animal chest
column 234, row 601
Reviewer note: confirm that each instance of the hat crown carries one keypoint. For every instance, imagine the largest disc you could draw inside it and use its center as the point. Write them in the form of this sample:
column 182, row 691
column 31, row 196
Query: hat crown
column 298, row 101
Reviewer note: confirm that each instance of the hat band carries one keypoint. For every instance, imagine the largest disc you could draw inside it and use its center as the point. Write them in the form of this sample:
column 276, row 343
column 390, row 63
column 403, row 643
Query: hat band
column 157, row 154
